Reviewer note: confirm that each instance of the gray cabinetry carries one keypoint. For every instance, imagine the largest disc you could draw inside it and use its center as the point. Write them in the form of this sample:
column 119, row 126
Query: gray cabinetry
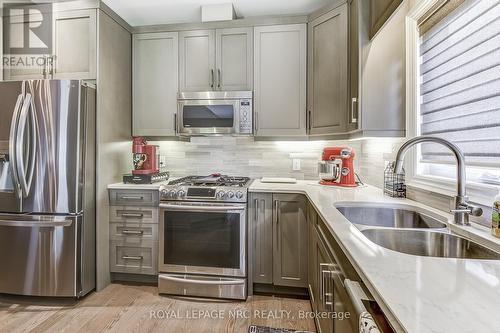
column 280, row 80
column 261, row 222
column 155, row 84
column 328, row 72
column 290, row 245
column 133, row 231
column 197, row 60
column 75, row 45
column 234, row 59
column 279, row 239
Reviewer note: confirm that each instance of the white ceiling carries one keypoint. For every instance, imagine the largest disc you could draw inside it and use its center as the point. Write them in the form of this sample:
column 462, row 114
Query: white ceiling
column 146, row 12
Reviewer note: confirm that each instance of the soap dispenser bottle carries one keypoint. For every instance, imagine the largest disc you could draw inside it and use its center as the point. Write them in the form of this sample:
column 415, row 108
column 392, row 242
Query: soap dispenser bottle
column 495, row 217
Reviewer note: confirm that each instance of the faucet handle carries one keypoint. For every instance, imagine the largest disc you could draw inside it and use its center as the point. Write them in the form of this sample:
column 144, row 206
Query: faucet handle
column 467, row 208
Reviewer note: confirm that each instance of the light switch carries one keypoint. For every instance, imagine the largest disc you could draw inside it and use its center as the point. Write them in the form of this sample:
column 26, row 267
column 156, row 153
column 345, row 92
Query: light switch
column 296, row 164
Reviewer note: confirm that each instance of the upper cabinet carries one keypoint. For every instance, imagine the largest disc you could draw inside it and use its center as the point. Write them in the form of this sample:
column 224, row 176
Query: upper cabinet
column 74, row 47
column 215, row 59
column 155, row 83
column 197, row 60
column 328, row 72
column 234, row 59
column 280, row 80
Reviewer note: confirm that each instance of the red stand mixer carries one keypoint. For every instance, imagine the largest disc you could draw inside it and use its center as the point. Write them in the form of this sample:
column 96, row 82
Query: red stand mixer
column 146, row 158
column 336, row 167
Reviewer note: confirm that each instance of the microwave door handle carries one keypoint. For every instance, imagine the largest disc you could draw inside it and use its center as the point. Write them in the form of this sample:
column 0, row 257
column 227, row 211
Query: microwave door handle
column 12, row 139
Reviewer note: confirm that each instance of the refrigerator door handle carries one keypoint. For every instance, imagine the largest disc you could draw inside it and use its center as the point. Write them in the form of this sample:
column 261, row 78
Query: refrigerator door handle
column 19, row 158
column 12, row 140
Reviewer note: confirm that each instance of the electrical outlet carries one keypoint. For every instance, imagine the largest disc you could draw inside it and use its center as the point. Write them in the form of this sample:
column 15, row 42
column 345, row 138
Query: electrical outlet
column 296, row 164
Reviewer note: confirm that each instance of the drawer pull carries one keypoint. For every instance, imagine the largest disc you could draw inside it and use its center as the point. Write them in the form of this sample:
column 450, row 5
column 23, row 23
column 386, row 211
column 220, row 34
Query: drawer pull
column 132, row 215
column 132, row 257
column 131, row 198
column 132, row 232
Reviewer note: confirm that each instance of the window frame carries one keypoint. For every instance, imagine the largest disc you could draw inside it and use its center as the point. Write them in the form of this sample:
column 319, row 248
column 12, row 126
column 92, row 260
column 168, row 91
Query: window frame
column 478, row 192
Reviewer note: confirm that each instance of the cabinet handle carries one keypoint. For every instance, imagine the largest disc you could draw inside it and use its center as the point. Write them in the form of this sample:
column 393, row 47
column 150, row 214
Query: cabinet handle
column 52, row 65
column 212, row 78
column 44, row 67
column 175, row 123
column 256, row 207
column 276, row 207
column 219, row 78
column 309, row 120
column 133, row 215
column 131, row 198
column 132, row 232
column 256, row 122
column 132, row 257
column 354, row 116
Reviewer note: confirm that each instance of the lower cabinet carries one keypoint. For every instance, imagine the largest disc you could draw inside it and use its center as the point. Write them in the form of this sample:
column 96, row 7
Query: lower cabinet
column 133, row 232
column 279, row 230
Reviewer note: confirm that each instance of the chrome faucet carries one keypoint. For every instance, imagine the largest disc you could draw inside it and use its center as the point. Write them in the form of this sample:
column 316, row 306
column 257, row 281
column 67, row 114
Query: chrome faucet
column 463, row 209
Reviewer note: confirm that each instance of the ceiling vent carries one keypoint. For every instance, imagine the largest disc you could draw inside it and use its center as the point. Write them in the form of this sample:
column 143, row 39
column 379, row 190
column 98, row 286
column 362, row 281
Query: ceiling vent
column 221, row 12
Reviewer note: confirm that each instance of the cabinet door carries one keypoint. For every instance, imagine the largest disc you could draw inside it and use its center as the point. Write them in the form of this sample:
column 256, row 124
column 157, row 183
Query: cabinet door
column 75, row 45
column 197, row 60
column 290, row 240
column 324, row 263
column 155, row 84
column 328, row 80
column 261, row 229
column 353, row 107
column 280, row 80
column 234, row 59
column 312, row 254
column 16, row 69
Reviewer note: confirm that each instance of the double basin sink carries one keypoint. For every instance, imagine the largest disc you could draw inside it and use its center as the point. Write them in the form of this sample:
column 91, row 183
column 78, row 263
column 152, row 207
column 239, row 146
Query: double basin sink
column 411, row 230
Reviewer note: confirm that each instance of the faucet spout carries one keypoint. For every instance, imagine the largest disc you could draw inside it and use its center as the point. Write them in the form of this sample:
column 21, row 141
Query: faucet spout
column 462, row 208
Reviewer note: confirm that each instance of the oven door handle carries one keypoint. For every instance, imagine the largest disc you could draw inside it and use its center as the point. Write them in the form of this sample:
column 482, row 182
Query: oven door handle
column 205, row 282
column 203, row 208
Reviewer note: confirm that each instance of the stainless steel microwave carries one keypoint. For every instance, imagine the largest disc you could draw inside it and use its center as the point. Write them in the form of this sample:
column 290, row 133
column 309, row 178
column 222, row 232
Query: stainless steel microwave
column 215, row 113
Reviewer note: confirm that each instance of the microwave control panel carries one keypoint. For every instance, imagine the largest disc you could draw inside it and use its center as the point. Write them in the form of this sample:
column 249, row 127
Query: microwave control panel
column 246, row 115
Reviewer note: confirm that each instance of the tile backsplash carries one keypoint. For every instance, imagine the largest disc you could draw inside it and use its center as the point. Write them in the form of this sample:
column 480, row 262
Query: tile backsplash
column 246, row 157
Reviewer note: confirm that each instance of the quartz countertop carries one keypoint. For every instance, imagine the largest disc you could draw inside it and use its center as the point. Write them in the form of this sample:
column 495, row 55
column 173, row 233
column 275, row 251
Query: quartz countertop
column 422, row 294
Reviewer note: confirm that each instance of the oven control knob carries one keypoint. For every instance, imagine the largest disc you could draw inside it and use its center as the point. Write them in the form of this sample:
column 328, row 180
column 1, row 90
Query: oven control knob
column 181, row 193
column 221, row 194
column 164, row 192
column 239, row 194
column 230, row 194
column 172, row 193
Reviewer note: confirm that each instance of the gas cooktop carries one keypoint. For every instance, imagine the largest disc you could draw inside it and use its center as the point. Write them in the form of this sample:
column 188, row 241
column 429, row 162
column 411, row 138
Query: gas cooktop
column 215, row 187
column 212, row 180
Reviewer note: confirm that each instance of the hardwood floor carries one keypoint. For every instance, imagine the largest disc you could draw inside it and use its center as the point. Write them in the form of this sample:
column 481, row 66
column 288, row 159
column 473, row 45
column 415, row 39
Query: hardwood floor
column 130, row 308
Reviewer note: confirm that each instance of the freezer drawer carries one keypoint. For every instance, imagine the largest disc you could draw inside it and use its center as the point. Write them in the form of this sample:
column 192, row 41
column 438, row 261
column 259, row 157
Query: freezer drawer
column 133, row 214
column 136, row 259
column 39, row 255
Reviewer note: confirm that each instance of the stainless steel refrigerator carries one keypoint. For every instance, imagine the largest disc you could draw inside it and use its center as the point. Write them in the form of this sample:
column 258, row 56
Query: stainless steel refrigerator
column 47, row 188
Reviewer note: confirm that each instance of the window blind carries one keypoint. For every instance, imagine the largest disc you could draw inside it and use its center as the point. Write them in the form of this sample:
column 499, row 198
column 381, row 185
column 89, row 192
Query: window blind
column 460, row 84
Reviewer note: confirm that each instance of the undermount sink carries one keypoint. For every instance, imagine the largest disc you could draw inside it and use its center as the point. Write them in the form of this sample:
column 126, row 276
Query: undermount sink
column 429, row 243
column 374, row 215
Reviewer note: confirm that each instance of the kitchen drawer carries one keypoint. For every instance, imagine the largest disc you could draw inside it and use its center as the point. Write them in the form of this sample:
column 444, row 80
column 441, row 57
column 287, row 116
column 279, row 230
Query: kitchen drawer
column 134, row 197
column 133, row 259
column 133, row 214
column 133, row 233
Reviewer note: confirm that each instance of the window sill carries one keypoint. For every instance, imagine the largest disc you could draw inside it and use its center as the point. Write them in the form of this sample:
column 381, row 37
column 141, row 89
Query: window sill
column 481, row 194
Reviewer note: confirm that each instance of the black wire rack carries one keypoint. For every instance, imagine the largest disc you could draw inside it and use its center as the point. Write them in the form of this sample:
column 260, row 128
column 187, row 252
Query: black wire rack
column 394, row 184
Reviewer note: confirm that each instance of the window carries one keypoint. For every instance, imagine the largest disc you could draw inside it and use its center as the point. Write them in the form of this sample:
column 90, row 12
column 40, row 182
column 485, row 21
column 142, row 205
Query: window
column 459, row 99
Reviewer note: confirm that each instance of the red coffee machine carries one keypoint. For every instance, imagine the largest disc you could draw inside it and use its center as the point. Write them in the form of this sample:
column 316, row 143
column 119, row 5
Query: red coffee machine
column 146, row 157
column 336, row 167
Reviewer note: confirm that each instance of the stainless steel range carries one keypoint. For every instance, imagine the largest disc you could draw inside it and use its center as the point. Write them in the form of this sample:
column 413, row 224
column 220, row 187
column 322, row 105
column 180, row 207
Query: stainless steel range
column 202, row 250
